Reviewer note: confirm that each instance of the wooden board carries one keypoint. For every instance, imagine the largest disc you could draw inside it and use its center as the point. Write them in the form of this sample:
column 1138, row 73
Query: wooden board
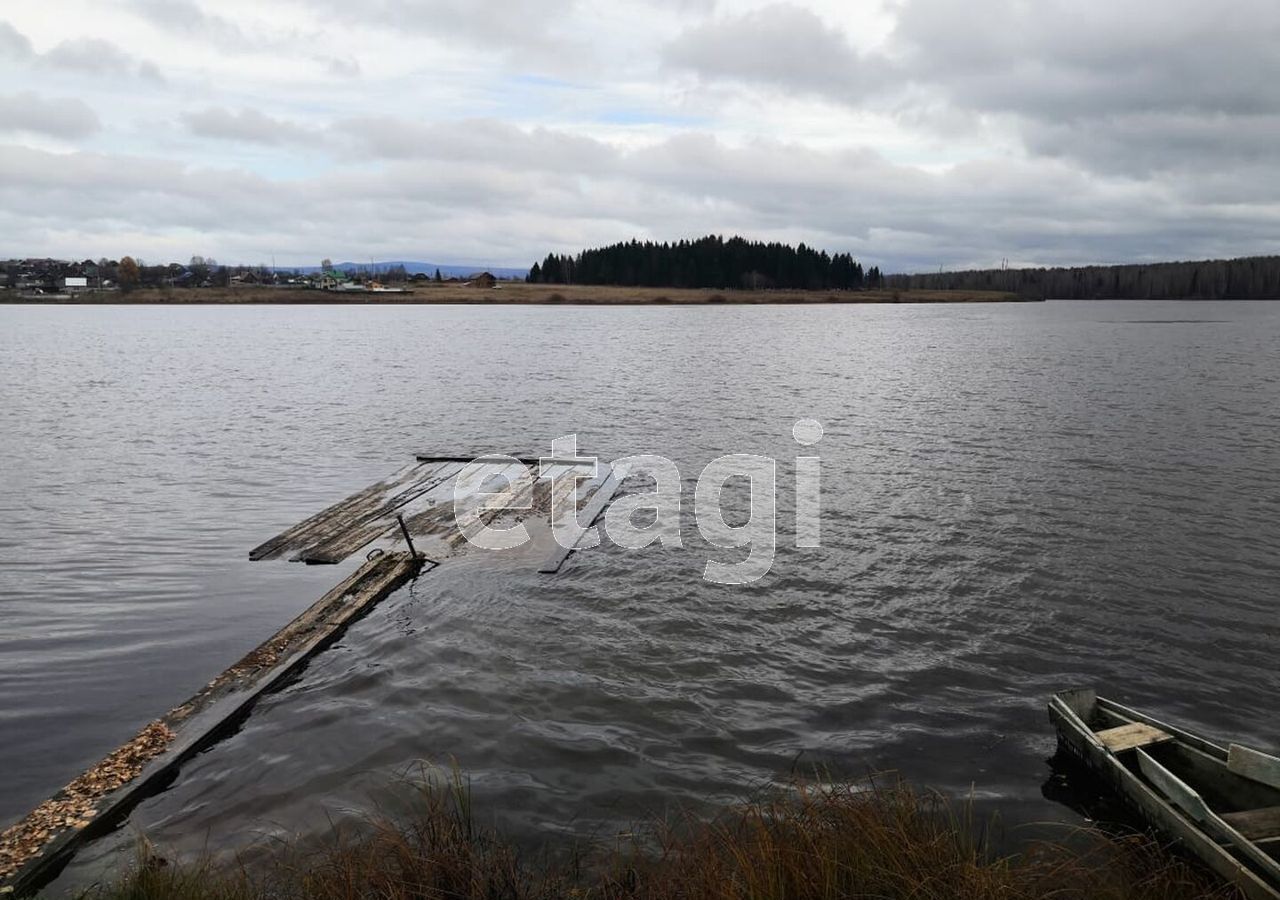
column 1131, row 736
column 372, row 522
column 1254, row 765
column 1256, row 824
column 432, row 495
column 1174, row 789
column 486, row 506
column 1081, row 702
column 328, row 522
column 599, row 500
column 527, row 458
column 436, row 513
column 517, row 494
column 1186, row 798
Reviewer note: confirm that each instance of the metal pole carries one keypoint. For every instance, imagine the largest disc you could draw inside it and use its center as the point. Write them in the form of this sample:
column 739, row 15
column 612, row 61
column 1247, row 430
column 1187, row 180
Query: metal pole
column 404, row 529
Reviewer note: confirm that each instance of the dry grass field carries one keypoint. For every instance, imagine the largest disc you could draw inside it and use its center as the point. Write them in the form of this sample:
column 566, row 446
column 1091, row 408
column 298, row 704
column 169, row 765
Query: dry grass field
column 520, row 293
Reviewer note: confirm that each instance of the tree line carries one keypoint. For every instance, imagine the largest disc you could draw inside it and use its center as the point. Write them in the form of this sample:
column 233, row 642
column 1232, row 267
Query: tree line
column 1248, row 278
column 709, row 262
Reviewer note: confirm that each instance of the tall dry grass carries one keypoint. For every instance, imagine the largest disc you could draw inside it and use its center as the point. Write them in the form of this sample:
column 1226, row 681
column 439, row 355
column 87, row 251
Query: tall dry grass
column 813, row 842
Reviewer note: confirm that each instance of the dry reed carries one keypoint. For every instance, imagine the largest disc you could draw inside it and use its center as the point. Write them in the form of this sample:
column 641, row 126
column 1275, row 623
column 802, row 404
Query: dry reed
column 811, row 842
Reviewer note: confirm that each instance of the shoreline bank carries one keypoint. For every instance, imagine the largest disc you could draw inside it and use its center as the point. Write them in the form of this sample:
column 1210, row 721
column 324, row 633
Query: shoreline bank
column 874, row 837
column 514, row 293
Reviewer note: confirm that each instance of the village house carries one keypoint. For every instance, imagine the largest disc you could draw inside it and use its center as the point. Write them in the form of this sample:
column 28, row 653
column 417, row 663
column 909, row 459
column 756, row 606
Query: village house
column 331, row 279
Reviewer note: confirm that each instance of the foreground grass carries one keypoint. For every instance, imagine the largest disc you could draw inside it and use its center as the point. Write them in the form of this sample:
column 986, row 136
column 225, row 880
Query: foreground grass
column 818, row 841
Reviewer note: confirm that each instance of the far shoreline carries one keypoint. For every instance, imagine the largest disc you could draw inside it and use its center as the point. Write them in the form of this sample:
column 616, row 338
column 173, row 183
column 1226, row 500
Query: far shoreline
column 505, row 293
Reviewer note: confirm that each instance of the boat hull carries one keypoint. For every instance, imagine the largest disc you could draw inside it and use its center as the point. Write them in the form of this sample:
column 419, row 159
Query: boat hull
column 1078, row 741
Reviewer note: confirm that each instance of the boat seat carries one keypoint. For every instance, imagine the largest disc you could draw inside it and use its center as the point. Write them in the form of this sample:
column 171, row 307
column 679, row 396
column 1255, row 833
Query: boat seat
column 1131, row 736
column 1256, row 824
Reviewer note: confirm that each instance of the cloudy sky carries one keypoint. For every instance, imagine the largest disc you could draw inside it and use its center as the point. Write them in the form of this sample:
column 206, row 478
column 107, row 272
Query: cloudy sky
column 914, row 133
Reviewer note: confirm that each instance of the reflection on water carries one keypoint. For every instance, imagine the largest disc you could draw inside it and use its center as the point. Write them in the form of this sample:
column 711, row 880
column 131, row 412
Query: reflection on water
column 1016, row 499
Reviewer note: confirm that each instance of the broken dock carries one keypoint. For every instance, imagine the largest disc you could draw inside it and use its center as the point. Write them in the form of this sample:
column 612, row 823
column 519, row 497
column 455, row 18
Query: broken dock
column 407, row 524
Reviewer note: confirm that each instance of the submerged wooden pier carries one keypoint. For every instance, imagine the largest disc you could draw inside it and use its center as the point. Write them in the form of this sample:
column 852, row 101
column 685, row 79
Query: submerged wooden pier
column 394, row 519
column 33, row 851
column 431, row 495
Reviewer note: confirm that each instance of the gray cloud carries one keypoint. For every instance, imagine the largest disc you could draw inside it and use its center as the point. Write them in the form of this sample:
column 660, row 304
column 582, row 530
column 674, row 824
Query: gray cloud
column 98, row 57
column 1128, row 87
column 246, row 125
column 1102, row 131
column 186, row 17
column 1134, row 88
column 1150, row 143
column 13, row 43
column 60, row 117
column 92, row 56
column 782, row 45
column 486, row 191
column 1089, row 59
column 528, row 32
column 474, row 141
column 339, row 67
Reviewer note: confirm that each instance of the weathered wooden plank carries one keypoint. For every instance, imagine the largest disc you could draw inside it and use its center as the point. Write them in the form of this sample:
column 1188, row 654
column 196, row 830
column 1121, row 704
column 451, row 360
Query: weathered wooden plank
column 1131, row 736
column 586, row 518
column 1177, row 791
column 1223, row 788
column 1072, row 725
column 1127, row 714
column 1186, row 798
column 352, row 524
column 434, row 513
column 1256, row 824
column 34, row 850
column 369, row 524
column 519, row 488
column 1254, row 765
column 1081, row 702
column 527, row 458
column 324, row 524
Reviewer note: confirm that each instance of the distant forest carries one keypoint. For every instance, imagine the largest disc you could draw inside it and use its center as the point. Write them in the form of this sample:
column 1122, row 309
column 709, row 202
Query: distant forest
column 709, row 262
column 1251, row 278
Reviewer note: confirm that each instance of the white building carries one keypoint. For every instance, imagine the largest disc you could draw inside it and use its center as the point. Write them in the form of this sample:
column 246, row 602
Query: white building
column 75, row 283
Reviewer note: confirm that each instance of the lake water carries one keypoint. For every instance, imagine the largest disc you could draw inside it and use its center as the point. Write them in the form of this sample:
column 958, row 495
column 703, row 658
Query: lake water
column 1016, row 499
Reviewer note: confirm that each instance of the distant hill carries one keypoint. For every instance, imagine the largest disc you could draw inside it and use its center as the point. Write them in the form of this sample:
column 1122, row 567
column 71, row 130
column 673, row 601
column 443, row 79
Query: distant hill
column 419, row 268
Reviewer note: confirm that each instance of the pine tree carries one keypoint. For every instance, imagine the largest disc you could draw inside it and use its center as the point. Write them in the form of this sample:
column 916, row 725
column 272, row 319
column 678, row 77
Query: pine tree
column 708, row 262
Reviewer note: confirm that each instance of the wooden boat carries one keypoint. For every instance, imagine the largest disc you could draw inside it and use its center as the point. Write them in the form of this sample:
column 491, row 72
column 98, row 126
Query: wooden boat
column 1221, row 805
